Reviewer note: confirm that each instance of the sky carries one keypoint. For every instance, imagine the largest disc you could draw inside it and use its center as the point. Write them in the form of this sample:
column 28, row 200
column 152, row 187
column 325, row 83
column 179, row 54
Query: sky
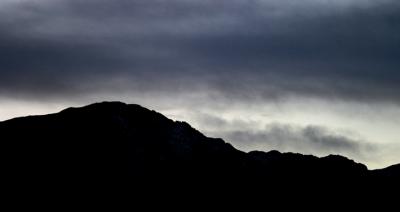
column 313, row 76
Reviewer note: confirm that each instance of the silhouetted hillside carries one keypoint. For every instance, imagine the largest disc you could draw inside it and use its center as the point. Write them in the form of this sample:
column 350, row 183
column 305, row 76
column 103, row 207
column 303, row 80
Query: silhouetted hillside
column 114, row 140
column 391, row 171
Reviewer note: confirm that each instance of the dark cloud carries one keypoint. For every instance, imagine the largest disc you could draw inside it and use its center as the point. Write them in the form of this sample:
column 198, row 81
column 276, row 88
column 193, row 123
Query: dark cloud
column 259, row 134
column 246, row 49
column 315, row 140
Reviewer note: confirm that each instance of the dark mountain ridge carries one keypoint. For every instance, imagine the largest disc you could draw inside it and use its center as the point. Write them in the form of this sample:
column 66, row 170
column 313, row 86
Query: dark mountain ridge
column 113, row 140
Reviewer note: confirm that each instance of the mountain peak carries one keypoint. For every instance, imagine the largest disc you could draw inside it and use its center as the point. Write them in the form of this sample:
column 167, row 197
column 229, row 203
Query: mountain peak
column 112, row 139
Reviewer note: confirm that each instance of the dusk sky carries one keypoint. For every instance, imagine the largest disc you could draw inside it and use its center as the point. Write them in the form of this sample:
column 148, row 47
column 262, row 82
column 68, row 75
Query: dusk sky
column 312, row 76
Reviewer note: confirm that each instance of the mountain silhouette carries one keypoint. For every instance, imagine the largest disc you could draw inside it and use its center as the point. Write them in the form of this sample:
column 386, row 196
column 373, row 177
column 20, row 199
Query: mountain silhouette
column 112, row 140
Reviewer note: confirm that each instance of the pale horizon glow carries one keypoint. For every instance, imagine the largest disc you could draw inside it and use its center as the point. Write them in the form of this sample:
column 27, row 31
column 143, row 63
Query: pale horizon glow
column 341, row 119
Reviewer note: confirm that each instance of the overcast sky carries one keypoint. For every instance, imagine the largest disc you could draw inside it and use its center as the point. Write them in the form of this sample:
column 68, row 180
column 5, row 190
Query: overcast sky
column 312, row 76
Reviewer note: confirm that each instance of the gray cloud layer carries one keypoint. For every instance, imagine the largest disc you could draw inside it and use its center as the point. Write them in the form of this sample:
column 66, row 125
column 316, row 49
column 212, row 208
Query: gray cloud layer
column 265, row 48
column 251, row 135
column 310, row 140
